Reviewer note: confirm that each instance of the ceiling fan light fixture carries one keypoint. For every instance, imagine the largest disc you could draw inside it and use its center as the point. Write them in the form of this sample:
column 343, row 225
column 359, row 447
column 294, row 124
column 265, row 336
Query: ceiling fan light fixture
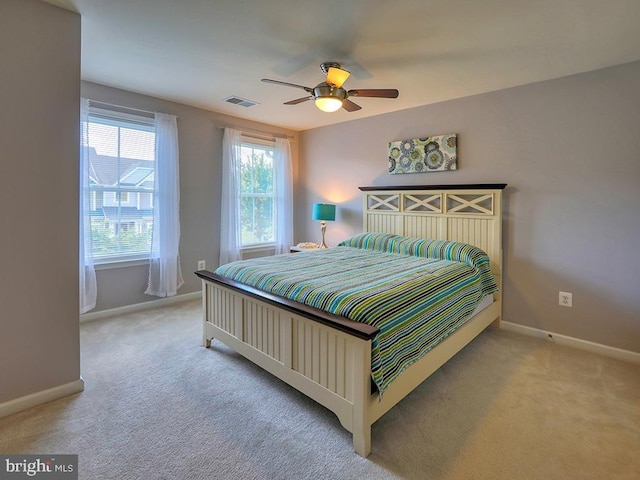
column 328, row 98
column 328, row 104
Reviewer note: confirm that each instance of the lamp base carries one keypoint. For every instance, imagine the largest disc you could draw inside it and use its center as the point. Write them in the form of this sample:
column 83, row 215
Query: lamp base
column 324, row 229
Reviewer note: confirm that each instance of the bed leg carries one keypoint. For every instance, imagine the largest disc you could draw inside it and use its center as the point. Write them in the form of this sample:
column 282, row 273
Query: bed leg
column 362, row 442
column 361, row 427
column 206, row 342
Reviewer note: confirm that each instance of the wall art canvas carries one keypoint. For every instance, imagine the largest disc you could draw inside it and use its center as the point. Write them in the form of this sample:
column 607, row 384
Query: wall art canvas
column 421, row 155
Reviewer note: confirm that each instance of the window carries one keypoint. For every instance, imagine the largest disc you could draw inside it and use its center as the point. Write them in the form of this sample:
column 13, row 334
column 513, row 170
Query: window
column 257, row 194
column 256, row 207
column 121, row 177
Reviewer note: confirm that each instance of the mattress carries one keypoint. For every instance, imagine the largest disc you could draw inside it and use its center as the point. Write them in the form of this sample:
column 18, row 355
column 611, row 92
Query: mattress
column 416, row 301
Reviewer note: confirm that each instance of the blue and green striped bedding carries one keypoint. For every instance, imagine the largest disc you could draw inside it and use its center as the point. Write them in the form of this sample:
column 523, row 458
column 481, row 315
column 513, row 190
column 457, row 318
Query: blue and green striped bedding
column 415, row 291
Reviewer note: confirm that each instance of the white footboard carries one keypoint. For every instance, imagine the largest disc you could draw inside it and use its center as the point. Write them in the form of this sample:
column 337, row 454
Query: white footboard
column 330, row 366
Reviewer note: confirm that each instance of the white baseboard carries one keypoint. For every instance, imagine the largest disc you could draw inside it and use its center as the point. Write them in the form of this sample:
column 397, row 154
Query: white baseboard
column 612, row 352
column 160, row 302
column 38, row 398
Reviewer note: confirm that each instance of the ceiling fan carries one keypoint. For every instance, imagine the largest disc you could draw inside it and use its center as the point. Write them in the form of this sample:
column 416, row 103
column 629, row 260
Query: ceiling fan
column 329, row 95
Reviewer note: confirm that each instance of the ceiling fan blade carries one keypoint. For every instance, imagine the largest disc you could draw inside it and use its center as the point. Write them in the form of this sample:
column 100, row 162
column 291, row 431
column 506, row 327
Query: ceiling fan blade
column 374, row 92
column 337, row 76
column 287, row 84
column 298, row 100
column 349, row 106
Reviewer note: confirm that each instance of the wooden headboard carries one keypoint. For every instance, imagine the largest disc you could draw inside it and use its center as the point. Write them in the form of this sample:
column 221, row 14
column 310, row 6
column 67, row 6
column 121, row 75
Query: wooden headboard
column 463, row 213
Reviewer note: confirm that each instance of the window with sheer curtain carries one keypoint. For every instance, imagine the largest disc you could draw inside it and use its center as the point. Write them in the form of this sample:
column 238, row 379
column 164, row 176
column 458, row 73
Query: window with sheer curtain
column 129, row 196
column 257, row 194
column 121, row 154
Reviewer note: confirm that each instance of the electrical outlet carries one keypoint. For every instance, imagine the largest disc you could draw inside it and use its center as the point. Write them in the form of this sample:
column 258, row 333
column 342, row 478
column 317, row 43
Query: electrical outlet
column 565, row 299
column 202, row 264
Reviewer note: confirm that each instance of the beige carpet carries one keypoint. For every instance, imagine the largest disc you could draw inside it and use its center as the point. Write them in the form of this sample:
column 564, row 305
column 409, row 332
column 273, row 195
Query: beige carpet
column 159, row 406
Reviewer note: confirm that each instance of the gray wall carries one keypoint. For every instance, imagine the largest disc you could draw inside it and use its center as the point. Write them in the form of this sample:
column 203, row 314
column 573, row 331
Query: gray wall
column 39, row 142
column 200, row 140
column 570, row 151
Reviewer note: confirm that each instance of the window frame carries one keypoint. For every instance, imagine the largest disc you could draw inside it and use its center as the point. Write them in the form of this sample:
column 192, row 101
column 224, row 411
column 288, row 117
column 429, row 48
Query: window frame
column 121, row 119
column 264, row 144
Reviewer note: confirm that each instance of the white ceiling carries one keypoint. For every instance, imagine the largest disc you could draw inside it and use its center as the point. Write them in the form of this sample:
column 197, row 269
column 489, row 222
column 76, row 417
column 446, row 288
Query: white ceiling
column 199, row 52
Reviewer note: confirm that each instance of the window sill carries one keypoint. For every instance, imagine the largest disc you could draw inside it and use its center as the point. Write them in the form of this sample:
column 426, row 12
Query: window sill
column 109, row 265
column 256, row 251
column 258, row 248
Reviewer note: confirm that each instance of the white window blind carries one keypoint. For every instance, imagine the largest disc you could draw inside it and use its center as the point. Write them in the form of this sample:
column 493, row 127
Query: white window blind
column 121, row 176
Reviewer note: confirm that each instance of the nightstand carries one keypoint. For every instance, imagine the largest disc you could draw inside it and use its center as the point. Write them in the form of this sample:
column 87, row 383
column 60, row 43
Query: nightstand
column 300, row 249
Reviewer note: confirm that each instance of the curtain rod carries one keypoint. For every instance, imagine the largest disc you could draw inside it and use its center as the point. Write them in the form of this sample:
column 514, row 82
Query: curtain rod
column 107, row 104
column 259, row 133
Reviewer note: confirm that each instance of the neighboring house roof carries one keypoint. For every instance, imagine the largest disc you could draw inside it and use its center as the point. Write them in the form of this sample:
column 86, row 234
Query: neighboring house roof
column 103, row 170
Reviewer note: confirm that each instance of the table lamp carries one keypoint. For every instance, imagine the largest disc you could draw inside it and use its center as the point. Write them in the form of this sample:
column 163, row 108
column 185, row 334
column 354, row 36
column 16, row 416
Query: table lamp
column 324, row 212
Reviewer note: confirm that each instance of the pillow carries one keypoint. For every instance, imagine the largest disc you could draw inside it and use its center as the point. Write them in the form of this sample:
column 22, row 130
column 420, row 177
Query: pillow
column 381, row 242
column 422, row 247
column 452, row 251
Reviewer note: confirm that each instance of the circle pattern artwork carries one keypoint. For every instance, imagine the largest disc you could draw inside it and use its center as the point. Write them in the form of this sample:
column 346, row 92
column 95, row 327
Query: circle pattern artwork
column 424, row 154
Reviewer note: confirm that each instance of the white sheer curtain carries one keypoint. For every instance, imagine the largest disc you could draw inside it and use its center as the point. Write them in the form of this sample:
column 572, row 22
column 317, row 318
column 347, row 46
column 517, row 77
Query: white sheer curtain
column 230, row 239
column 88, row 285
column 165, row 276
column 284, row 195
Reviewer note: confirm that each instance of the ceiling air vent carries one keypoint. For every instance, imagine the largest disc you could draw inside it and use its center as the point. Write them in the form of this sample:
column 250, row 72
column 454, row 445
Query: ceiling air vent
column 240, row 101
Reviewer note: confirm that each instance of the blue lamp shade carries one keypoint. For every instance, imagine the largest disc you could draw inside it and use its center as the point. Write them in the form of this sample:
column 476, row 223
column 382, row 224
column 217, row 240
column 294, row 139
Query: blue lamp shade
column 324, row 211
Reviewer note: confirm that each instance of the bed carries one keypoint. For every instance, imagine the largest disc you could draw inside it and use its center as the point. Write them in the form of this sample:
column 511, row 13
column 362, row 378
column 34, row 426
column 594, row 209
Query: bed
column 335, row 360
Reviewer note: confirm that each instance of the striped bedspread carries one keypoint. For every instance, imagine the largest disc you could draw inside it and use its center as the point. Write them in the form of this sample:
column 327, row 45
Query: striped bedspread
column 416, row 301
